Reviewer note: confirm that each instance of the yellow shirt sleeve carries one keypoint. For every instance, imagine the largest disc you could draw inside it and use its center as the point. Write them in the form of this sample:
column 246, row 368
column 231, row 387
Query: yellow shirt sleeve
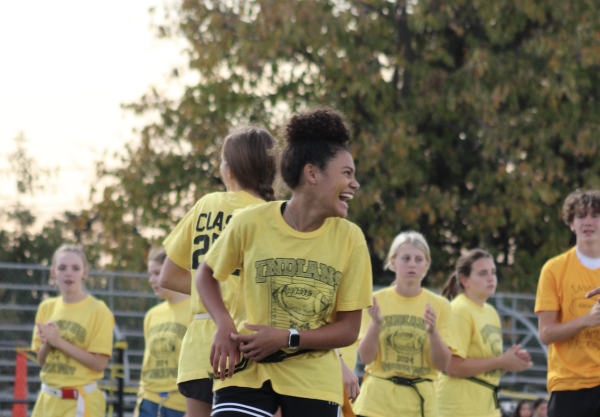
column 446, row 325
column 101, row 340
column 464, row 332
column 364, row 325
column 40, row 317
column 547, row 293
column 356, row 284
column 178, row 244
column 226, row 255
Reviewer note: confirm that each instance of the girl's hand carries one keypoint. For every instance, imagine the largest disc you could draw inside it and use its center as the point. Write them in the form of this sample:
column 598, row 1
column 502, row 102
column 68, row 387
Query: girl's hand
column 38, row 330
column 224, row 348
column 350, row 382
column 512, row 361
column 375, row 313
column 51, row 333
column 265, row 341
column 430, row 319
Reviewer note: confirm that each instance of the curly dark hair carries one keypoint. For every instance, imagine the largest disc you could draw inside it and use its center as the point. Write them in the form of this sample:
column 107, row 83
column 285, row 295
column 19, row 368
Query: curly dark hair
column 314, row 138
column 579, row 202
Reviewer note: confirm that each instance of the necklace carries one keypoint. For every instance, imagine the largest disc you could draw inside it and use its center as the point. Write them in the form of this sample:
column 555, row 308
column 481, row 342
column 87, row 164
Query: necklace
column 287, row 208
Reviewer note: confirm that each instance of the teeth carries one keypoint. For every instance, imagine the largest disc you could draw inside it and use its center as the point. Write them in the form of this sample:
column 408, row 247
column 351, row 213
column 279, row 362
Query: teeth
column 348, row 196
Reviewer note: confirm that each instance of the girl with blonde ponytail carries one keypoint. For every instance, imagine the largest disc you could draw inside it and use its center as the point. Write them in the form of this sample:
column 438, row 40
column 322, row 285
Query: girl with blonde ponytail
column 469, row 387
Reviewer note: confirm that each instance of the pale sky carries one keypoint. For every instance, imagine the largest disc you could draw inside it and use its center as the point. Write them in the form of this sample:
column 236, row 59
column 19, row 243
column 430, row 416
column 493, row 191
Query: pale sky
column 65, row 68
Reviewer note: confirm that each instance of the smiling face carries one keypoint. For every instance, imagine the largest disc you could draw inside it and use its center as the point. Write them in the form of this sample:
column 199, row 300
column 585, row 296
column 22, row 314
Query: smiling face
column 586, row 226
column 69, row 270
column 410, row 264
column 481, row 283
column 336, row 184
column 154, row 268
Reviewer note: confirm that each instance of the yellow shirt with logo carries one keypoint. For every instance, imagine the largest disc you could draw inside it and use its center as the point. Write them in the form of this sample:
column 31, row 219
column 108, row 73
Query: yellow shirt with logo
column 403, row 351
column 574, row 363
column 88, row 325
column 295, row 280
column 478, row 336
column 187, row 246
column 165, row 326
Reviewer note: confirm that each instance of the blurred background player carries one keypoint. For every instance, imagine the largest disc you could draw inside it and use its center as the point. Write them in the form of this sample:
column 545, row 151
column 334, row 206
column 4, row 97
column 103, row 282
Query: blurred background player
column 73, row 339
column 164, row 328
column 468, row 388
column 568, row 322
column 540, row 408
column 306, row 278
column 405, row 339
column 248, row 169
column 523, row 409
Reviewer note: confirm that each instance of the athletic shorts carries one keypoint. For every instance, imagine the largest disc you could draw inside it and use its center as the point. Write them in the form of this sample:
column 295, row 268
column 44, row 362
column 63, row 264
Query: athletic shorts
column 264, row 401
column 197, row 389
column 48, row 405
column 579, row 403
column 150, row 409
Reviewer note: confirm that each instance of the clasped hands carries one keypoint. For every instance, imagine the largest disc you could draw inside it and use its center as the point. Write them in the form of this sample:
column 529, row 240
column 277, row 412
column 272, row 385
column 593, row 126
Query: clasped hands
column 49, row 333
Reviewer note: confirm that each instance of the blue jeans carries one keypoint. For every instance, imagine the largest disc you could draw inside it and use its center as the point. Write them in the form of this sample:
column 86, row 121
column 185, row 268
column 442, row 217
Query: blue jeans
column 150, row 409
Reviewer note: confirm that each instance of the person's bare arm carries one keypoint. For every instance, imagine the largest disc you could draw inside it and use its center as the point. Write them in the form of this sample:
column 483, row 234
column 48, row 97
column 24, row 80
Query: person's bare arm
column 369, row 345
column 552, row 332
column 440, row 352
column 350, row 379
column 42, row 353
column 94, row 361
column 175, row 278
column 469, row 367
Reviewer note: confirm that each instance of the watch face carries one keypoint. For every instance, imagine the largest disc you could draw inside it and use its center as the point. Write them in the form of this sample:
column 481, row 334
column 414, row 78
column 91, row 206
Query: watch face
column 294, row 340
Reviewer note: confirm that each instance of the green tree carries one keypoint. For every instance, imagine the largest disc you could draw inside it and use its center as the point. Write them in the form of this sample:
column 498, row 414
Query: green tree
column 472, row 120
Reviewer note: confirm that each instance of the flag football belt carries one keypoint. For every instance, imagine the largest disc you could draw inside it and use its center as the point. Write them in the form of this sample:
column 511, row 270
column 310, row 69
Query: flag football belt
column 77, row 394
column 494, row 389
column 202, row 316
column 408, row 382
column 275, row 357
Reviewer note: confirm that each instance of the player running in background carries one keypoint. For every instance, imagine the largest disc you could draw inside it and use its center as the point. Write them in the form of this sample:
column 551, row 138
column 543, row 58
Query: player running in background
column 164, row 328
column 73, row 339
column 306, row 276
column 469, row 388
column 248, row 169
column 568, row 321
column 406, row 338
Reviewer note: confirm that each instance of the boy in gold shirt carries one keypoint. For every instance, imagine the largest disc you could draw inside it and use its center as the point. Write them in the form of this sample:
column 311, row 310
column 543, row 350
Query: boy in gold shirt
column 568, row 321
column 164, row 328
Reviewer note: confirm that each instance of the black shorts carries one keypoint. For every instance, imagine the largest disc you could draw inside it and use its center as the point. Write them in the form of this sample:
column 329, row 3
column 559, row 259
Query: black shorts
column 197, row 389
column 263, row 402
column 580, row 403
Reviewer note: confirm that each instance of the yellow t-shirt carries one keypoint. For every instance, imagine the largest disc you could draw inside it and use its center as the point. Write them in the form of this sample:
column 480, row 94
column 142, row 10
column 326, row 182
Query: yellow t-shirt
column 574, row 363
column 404, row 351
column 164, row 328
column 88, row 325
column 187, row 246
column 478, row 335
column 295, row 280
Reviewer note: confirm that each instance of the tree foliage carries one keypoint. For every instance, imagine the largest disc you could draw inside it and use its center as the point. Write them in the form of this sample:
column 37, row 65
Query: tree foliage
column 472, row 120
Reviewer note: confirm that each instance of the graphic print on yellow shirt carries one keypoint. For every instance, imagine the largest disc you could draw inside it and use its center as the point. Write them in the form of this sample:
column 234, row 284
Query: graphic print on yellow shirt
column 294, row 280
column 187, row 246
column 478, row 335
column 574, row 363
column 403, row 351
column 165, row 326
column 88, row 325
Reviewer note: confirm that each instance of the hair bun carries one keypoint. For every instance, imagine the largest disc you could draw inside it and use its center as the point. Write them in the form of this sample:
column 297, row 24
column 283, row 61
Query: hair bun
column 318, row 126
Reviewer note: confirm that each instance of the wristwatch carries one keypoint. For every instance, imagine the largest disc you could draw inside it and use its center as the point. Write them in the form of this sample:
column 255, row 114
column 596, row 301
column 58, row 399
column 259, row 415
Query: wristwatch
column 294, row 340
